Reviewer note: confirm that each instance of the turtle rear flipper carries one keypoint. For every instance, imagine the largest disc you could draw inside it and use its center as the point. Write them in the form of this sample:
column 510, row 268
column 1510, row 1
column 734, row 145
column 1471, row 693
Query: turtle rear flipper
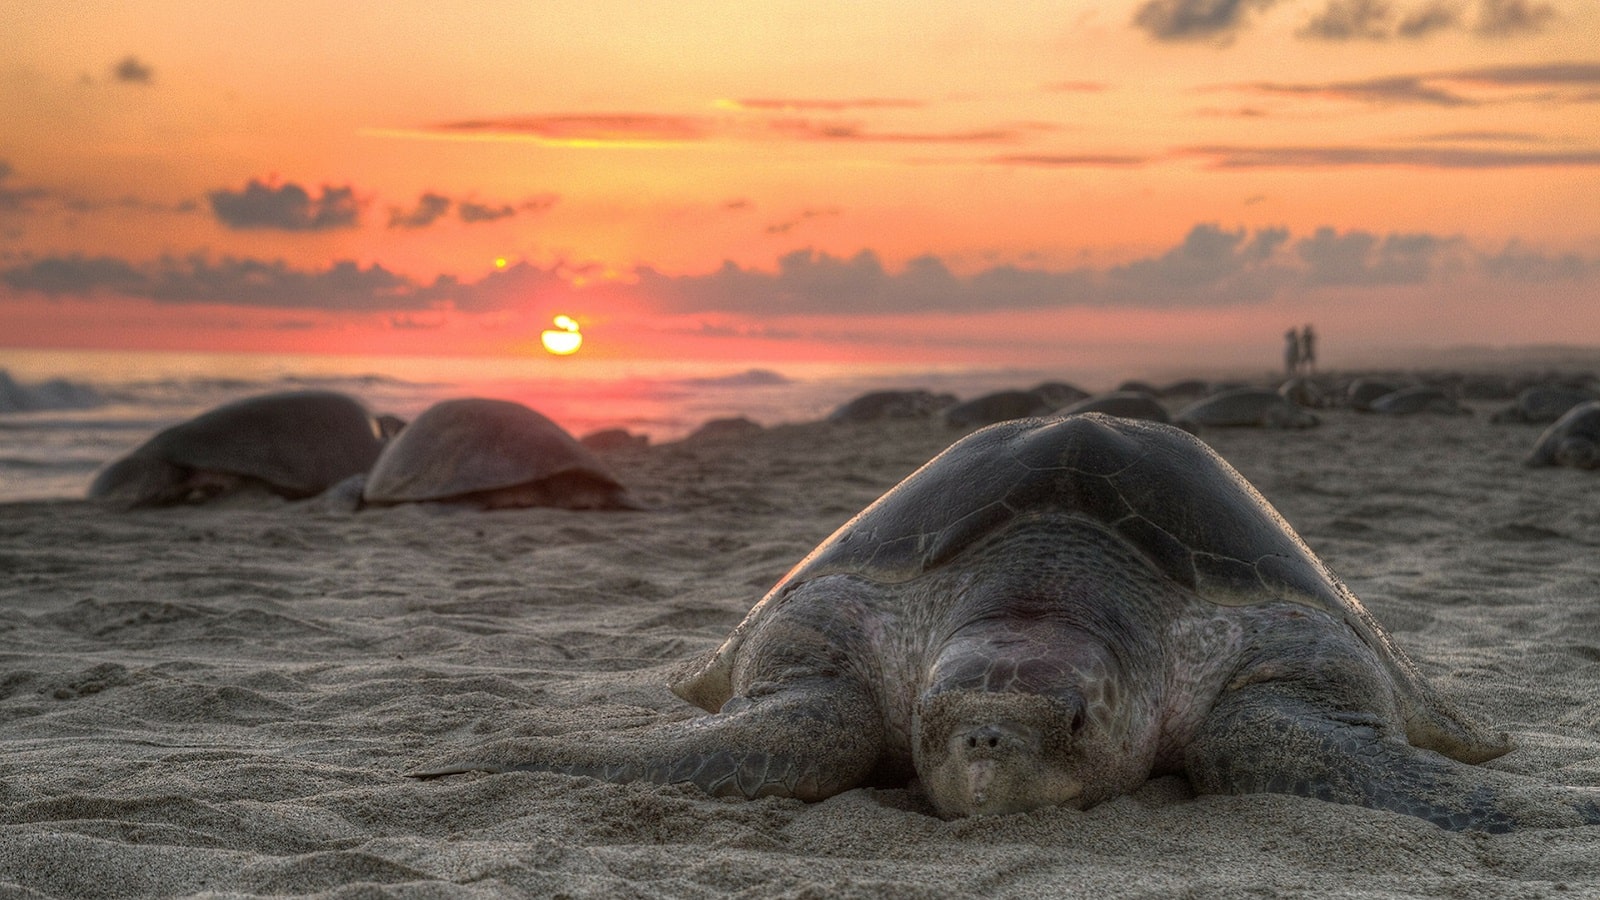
column 809, row 740
column 1265, row 739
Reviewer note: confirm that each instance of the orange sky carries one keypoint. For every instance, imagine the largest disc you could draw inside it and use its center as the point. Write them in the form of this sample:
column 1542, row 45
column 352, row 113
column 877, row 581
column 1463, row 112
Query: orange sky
column 862, row 181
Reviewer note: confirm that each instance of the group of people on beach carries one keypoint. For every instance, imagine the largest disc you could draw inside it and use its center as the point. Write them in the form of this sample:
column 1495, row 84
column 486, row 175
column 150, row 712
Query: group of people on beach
column 1299, row 351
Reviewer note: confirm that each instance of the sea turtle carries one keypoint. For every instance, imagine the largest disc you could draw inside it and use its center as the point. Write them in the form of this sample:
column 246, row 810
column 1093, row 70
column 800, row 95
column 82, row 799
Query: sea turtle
column 1058, row 393
column 1051, row 612
column 493, row 454
column 1543, row 404
column 908, row 404
column 1418, row 399
column 996, row 407
column 294, row 444
column 1245, row 407
column 1127, row 404
column 1572, row 440
column 1360, row 392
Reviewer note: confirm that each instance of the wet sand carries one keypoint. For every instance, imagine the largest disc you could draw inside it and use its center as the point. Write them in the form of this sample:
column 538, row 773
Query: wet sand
column 223, row 700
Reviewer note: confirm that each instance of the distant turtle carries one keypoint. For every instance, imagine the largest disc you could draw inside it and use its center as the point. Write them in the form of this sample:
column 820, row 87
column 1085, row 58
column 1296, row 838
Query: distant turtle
column 1303, row 391
column 1051, row 612
column 1246, row 407
column 610, row 439
column 1544, row 403
column 909, row 404
column 1360, row 393
column 493, row 454
column 1418, row 399
column 1573, row 440
column 996, row 407
column 1127, row 404
column 294, row 444
column 1058, row 393
column 1187, row 388
column 729, row 429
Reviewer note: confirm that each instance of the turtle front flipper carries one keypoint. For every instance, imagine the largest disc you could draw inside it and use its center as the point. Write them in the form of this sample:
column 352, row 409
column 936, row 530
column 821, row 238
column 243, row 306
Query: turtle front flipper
column 809, row 739
column 1264, row 739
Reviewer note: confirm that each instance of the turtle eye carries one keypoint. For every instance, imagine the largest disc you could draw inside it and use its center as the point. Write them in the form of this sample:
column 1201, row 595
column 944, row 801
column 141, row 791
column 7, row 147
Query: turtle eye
column 1077, row 721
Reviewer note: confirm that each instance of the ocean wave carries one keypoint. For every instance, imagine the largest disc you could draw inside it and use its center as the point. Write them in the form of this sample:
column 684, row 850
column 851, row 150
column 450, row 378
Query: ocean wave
column 55, row 394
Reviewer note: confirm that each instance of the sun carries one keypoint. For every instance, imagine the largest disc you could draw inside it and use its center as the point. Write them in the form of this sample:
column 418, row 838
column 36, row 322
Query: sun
column 564, row 339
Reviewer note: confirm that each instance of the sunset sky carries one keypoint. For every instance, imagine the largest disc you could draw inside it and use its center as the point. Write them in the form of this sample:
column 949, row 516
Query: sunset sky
column 958, row 182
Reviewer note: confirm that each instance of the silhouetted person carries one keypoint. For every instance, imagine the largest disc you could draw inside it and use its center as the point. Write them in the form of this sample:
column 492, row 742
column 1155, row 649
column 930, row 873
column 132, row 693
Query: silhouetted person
column 1308, row 349
column 1291, row 351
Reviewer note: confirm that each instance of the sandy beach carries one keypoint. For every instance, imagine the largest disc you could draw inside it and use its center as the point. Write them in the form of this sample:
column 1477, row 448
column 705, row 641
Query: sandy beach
column 223, row 700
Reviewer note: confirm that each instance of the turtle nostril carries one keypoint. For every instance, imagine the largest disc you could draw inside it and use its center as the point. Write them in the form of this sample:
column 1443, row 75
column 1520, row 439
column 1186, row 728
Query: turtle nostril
column 993, row 741
column 972, row 742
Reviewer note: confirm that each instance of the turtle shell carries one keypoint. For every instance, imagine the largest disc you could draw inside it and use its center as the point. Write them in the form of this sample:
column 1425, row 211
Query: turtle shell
column 1163, row 491
column 1544, row 403
column 1127, row 404
column 474, row 446
column 1246, row 406
column 298, row 443
column 1580, row 424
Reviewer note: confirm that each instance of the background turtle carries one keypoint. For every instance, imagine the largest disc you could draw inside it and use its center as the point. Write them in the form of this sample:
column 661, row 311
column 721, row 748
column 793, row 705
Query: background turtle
column 997, row 407
column 1051, row 612
column 908, row 404
column 1418, row 399
column 1360, row 393
column 1246, row 407
column 294, row 444
column 1543, row 403
column 1127, row 404
column 1572, row 440
column 491, row 453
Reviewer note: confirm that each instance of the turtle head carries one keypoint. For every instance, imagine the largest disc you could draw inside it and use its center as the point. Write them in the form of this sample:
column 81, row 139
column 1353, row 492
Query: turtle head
column 986, row 752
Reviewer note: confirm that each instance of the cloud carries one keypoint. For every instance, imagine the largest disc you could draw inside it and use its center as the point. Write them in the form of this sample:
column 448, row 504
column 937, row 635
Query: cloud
column 788, row 225
column 343, row 286
column 1376, row 20
column 1439, row 15
column 429, row 209
column 811, row 130
column 1220, row 21
column 1425, row 157
column 75, row 276
column 1561, row 74
column 471, row 212
column 810, row 105
column 17, row 199
column 1211, row 267
column 1448, row 88
column 1345, row 20
column 1070, row 160
column 594, row 129
column 1196, row 20
column 432, row 207
column 131, row 71
column 1363, row 258
column 1395, row 89
column 1488, row 136
column 1508, row 18
column 1517, row 263
column 287, row 208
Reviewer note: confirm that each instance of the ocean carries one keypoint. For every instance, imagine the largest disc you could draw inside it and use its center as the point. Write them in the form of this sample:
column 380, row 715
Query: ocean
column 63, row 415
